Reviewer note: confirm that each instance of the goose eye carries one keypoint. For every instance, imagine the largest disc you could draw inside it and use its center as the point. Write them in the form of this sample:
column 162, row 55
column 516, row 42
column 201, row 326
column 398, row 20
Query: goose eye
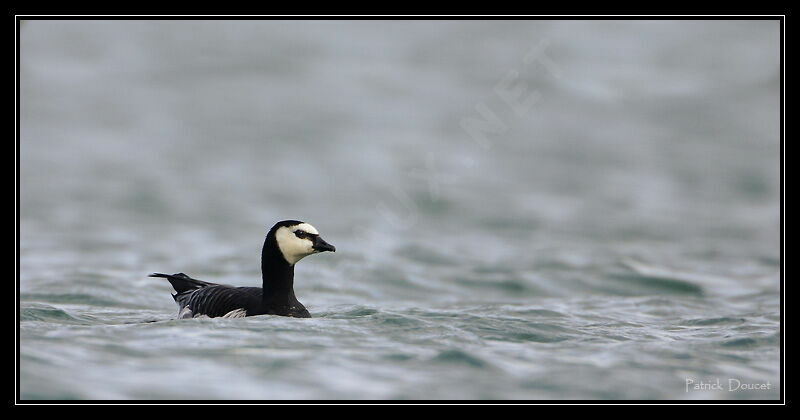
column 299, row 233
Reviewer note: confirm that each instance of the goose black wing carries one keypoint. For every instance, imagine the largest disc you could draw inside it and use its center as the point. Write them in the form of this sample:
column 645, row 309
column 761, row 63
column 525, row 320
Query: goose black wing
column 196, row 297
column 221, row 300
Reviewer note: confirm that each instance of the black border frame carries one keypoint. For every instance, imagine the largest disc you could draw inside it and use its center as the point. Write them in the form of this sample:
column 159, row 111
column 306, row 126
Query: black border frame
column 779, row 14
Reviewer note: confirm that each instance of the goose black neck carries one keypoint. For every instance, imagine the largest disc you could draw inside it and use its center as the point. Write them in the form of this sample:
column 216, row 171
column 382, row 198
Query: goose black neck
column 277, row 274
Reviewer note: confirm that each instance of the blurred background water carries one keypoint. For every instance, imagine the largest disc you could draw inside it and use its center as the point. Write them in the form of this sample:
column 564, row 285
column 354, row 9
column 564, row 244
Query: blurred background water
column 521, row 210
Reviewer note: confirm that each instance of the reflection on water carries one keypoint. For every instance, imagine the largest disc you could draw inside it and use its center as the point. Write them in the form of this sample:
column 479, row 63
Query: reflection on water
column 543, row 209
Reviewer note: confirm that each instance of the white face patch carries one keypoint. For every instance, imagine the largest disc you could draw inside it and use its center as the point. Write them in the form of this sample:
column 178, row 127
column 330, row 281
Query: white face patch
column 292, row 247
column 305, row 227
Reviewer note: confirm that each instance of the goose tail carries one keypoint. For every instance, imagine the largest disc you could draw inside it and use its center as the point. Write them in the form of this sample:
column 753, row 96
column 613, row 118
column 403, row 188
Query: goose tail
column 182, row 283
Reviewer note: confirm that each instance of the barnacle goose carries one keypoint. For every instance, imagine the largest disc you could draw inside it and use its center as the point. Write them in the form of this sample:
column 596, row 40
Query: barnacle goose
column 286, row 244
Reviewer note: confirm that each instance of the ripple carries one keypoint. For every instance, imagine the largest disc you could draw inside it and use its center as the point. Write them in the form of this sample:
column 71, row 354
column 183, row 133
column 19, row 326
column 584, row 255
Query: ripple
column 460, row 357
column 41, row 312
column 642, row 284
column 714, row 321
column 751, row 342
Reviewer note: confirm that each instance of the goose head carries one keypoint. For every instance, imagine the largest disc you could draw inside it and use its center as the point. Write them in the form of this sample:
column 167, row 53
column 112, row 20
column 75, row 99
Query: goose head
column 297, row 240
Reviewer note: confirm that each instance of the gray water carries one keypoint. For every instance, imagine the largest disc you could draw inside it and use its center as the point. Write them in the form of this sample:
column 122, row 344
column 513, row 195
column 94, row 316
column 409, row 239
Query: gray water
column 521, row 210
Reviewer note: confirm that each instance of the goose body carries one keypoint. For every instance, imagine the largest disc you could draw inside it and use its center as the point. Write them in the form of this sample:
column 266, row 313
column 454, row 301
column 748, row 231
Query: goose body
column 286, row 243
